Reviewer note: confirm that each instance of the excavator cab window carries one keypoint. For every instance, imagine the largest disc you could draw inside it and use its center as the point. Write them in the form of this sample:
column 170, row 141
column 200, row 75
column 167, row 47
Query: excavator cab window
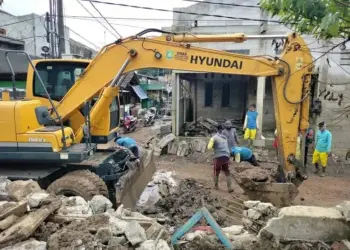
column 58, row 77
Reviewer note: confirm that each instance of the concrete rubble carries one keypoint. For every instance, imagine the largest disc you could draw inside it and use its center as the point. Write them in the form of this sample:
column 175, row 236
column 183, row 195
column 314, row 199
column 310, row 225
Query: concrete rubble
column 32, row 219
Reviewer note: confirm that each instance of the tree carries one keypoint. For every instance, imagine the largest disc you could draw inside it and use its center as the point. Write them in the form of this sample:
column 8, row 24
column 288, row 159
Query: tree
column 322, row 18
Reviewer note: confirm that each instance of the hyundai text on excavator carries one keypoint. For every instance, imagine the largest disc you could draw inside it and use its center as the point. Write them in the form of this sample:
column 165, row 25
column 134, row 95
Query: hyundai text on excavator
column 52, row 134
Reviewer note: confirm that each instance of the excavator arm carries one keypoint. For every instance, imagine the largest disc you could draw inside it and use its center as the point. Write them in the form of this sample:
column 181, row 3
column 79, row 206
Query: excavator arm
column 291, row 74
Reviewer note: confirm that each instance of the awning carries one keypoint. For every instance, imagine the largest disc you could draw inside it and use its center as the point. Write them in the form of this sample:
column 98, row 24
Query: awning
column 139, row 92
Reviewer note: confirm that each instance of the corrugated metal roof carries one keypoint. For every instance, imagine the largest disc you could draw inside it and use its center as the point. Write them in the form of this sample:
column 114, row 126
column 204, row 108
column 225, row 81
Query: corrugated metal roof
column 139, row 92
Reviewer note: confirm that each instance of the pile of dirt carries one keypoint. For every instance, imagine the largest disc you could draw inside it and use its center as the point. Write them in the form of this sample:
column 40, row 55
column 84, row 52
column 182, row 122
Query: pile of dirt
column 78, row 233
column 266, row 173
column 179, row 206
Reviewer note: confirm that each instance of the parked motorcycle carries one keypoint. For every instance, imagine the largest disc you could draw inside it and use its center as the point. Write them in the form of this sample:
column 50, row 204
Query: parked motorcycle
column 129, row 123
column 149, row 117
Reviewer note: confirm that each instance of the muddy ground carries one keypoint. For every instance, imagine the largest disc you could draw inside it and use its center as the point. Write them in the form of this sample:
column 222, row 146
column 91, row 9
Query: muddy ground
column 319, row 191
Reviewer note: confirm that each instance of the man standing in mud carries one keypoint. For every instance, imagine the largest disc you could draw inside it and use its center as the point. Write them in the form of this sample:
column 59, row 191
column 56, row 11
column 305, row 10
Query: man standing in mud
column 221, row 158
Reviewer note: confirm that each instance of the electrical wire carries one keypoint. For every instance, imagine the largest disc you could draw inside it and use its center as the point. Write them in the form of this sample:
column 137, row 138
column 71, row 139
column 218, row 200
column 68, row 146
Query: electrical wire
column 91, row 2
column 184, row 12
column 341, row 67
column 225, row 4
column 94, row 17
column 97, row 47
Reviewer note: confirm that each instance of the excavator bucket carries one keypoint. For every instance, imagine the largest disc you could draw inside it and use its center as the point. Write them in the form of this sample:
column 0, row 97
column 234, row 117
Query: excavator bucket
column 132, row 184
column 279, row 194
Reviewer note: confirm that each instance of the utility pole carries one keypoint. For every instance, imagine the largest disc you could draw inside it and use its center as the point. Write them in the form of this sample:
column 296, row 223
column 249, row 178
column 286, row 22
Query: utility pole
column 62, row 44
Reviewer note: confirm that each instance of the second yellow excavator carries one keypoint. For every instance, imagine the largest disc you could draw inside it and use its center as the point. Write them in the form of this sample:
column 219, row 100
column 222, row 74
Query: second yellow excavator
column 48, row 136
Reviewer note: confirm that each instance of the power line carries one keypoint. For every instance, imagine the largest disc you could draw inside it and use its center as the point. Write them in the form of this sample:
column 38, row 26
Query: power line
column 325, row 53
column 341, row 67
column 97, row 47
column 226, row 4
column 105, row 19
column 95, row 17
column 183, row 12
column 22, row 21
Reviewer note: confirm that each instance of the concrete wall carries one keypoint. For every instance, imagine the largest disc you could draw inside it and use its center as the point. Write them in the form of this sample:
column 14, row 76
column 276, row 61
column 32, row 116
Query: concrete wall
column 216, row 111
column 31, row 29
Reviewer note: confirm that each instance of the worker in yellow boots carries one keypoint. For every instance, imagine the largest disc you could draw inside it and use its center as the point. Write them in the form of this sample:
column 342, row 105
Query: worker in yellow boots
column 323, row 142
column 251, row 125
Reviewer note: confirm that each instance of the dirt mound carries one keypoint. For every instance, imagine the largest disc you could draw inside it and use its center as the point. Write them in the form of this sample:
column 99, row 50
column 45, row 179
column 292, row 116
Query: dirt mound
column 78, row 233
column 258, row 174
column 182, row 204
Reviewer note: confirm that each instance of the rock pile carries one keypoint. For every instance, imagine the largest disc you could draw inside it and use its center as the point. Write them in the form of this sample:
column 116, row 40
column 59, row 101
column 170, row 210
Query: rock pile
column 32, row 219
column 180, row 205
column 256, row 214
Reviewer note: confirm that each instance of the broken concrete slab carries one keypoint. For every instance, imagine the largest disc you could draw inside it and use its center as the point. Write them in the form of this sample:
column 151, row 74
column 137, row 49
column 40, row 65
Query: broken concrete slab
column 135, row 233
column 344, row 208
column 118, row 226
column 312, row 223
column 3, row 188
column 28, row 245
column 265, row 208
column 182, row 149
column 100, row 204
column 27, row 225
column 18, row 190
column 172, row 148
column 150, row 245
column 251, row 204
column 12, row 208
column 166, row 140
column 233, row 230
column 34, row 199
column 153, row 231
column 74, row 206
column 254, row 214
column 113, row 244
column 7, row 222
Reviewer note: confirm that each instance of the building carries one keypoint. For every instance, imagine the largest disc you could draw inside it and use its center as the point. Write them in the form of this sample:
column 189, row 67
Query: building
column 31, row 29
column 156, row 90
column 220, row 97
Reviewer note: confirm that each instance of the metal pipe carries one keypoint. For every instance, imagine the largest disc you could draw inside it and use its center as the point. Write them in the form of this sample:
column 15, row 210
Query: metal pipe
column 13, row 76
column 120, row 72
column 252, row 37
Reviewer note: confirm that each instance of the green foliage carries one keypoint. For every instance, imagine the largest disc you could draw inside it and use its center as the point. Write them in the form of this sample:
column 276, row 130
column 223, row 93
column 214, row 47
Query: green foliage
column 321, row 18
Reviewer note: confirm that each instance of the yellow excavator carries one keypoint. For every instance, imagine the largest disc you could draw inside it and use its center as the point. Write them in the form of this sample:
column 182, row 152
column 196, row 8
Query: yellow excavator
column 72, row 105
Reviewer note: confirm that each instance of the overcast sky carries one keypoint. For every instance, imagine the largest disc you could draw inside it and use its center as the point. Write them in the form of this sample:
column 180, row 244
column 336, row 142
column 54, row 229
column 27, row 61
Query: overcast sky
column 91, row 29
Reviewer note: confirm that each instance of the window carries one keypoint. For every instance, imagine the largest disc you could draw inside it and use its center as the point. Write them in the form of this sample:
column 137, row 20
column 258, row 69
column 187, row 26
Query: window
column 58, row 78
column 208, row 101
column 345, row 58
column 225, row 96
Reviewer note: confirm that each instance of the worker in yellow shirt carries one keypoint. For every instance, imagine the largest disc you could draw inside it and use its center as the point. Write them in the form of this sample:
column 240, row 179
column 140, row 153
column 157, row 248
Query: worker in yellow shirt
column 221, row 160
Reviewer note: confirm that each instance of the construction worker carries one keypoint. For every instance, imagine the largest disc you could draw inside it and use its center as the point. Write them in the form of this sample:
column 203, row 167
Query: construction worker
column 221, row 160
column 251, row 125
column 231, row 135
column 244, row 154
column 323, row 143
column 128, row 143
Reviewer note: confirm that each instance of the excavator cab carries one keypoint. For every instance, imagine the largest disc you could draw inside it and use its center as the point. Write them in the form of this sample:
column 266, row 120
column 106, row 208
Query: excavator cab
column 37, row 145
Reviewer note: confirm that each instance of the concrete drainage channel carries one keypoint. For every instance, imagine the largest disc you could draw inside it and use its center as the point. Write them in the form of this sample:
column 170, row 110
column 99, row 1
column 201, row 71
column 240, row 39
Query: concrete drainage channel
column 32, row 219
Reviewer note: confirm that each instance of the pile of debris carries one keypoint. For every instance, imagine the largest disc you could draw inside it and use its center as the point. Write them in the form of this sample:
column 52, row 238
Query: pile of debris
column 32, row 219
column 256, row 214
column 205, row 126
column 179, row 206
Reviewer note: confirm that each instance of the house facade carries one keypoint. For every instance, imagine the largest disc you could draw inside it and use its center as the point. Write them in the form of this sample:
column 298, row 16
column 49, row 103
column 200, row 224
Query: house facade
column 221, row 97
